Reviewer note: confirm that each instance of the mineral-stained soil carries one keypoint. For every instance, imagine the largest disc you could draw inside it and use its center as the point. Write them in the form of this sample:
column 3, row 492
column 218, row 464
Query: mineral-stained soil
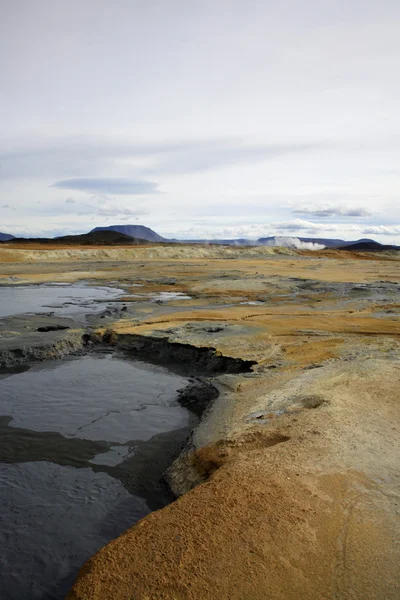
column 289, row 488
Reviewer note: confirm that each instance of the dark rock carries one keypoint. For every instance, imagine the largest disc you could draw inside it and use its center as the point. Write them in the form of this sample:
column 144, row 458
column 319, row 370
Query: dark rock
column 46, row 328
column 197, row 396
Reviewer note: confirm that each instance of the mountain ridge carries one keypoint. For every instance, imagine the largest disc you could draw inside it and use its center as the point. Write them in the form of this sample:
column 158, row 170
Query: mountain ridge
column 95, row 238
column 135, row 231
column 5, row 237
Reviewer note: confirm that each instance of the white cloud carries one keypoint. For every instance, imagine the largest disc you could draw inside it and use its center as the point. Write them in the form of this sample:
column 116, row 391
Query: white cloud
column 103, row 206
column 323, row 229
column 116, row 211
column 332, row 211
column 251, row 232
column 300, row 224
column 382, row 230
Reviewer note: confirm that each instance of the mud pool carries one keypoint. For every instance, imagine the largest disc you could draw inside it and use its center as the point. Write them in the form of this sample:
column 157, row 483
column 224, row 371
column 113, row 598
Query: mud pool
column 65, row 300
column 83, row 445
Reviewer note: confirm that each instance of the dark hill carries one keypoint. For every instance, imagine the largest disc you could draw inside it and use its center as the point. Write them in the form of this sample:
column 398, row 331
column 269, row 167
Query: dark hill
column 368, row 246
column 361, row 241
column 95, row 238
column 5, row 237
column 135, row 231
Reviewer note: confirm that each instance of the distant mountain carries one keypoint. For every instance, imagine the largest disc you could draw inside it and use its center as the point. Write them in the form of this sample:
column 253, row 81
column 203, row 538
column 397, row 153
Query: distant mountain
column 368, row 246
column 5, row 237
column 361, row 241
column 287, row 241
column 139, row 234
column 94, row 238
column 135, row 231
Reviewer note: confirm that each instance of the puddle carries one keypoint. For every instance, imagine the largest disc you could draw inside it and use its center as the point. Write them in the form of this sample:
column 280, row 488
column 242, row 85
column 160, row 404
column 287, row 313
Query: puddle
column 65, row 300
column 94, row 398
column 43, row 537
column 83, row 445
column 167, row 296
column 162, row 297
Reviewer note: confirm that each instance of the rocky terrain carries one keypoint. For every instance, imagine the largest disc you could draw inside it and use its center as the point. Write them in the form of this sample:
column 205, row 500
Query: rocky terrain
column 289, row 487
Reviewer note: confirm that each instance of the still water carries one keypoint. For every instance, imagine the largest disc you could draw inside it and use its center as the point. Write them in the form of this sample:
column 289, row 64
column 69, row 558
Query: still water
column 65, row 300
column 83, row 445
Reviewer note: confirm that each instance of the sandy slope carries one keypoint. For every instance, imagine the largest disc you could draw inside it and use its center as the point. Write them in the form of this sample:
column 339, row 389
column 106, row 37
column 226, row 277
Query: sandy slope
column 9, row 253
column 305, row 505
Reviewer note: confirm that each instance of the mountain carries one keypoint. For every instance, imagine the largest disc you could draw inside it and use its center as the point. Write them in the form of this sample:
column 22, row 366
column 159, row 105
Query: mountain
column 361, row 241
column 367, row 246
column 94, row 238
column 139, row 234
column 135, row 231
column 287, row 241
column 5, row 237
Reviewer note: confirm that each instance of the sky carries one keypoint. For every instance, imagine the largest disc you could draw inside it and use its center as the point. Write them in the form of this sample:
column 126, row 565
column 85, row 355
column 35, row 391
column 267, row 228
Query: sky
column 219, row 118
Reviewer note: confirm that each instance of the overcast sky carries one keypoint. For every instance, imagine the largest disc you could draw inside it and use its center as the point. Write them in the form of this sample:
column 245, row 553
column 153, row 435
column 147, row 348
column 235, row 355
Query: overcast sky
column 205, row 118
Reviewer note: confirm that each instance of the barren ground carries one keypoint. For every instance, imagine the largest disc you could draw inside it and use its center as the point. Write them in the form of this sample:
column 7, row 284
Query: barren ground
column 296, row 463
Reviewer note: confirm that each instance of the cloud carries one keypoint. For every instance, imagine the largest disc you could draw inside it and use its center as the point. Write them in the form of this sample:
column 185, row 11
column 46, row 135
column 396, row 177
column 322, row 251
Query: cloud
column 76, row 157
column 251, row 232
column 382, row 230
column 108, row 185
column 100, row 206
column 254, row 232
column 219, row 154
column 318, row 229
column 332, row 211
column 300, row 224
column 112, row 211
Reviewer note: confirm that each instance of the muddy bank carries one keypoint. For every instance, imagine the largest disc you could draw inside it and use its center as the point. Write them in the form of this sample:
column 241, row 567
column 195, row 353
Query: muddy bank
column 51, row 338
column 94, row 433
column 201, row 364
column 142, row 472
column 301, row 506
column 32, row 348
column 185, row 357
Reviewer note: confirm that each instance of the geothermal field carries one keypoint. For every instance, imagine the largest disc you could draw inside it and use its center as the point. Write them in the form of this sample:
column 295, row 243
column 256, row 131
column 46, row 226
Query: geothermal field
column 184, row 422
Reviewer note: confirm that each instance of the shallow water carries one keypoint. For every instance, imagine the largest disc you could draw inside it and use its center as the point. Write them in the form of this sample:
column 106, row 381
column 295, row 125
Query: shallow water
column 66, row 300
column 83, row 444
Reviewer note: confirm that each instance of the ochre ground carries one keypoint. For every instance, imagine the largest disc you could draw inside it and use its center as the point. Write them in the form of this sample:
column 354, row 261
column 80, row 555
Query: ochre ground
column 299, row 460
